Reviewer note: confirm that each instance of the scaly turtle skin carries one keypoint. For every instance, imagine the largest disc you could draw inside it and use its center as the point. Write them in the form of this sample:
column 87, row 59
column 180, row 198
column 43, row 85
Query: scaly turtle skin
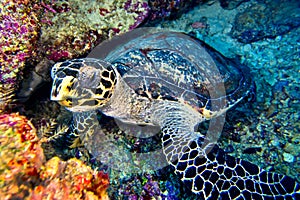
column 168, row 80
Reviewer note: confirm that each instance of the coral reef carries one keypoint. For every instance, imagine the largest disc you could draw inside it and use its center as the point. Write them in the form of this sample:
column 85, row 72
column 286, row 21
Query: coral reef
column 270, row 135
column 163, row 184
column 74, row 27
column 266, row 20
column 70, row 179
column 25, row 174
column 143, row 187
column 170, row 9
column 21, row 156
column 19, row 29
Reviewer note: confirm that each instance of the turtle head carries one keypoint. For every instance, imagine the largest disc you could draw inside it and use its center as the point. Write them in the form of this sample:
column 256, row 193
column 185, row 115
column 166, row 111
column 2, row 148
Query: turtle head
column 82, row 84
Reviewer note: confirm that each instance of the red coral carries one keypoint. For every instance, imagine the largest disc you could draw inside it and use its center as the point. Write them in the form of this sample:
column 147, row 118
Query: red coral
column 57, row 55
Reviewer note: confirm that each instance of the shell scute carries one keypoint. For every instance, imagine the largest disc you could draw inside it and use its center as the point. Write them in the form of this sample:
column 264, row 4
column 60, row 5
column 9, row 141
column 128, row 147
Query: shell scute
column 173, row 66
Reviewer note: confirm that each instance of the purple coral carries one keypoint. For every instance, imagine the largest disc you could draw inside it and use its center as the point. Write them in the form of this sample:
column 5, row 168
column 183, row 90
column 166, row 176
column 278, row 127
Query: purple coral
column 18, row 33
column 151, row 189
column 142, row 13
column 169, row 8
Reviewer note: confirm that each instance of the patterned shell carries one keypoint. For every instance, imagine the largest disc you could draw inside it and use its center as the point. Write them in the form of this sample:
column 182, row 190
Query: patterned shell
column 174, row 66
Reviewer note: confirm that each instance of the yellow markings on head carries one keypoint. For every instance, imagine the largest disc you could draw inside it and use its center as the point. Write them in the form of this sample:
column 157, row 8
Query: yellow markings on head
column 63, row 88
column 66, row 103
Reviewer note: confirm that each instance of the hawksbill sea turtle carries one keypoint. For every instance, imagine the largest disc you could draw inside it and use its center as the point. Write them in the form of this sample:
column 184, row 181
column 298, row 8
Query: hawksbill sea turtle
column 167, row 79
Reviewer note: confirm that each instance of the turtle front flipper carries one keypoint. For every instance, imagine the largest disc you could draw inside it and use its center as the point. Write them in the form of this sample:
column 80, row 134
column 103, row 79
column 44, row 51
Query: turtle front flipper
column 80, row 127
column 65, row 136
column 213, row 175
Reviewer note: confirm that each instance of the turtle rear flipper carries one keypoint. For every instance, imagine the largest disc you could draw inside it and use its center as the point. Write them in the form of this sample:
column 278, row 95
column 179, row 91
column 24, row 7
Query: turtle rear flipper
column 212, row 174
column 219, row 176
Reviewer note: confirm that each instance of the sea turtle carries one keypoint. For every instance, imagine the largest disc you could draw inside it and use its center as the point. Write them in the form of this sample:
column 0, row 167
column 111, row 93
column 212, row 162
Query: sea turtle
column 167, row 79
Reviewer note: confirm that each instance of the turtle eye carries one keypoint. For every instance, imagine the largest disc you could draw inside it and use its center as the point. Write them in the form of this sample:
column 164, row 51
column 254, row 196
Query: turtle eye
column 53, row 72
column 60, row 74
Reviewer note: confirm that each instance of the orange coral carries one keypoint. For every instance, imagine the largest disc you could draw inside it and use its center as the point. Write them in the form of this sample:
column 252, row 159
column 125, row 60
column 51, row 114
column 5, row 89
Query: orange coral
column 70, row 179
column 21, row 156
column 25, row 174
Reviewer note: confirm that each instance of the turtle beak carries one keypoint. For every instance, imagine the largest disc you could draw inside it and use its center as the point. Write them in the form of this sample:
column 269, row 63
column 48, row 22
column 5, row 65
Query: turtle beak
column 61, row 89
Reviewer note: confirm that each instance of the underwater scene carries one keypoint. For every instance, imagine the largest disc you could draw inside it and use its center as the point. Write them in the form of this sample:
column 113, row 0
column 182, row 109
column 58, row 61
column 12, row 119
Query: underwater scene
column 150, row 99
